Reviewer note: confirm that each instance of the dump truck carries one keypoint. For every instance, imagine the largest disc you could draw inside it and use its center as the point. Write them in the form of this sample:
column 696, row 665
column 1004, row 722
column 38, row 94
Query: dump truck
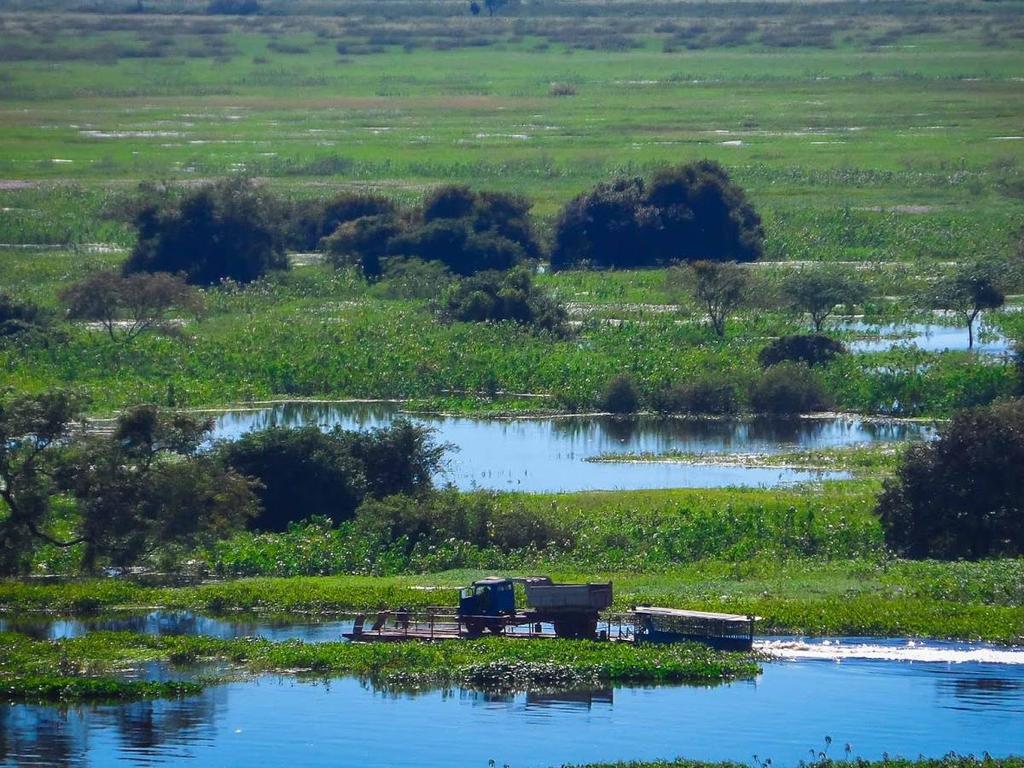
column 490, row 605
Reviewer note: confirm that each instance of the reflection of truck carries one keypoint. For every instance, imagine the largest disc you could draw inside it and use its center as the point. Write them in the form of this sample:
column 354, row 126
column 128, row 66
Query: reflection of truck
column 490, row 604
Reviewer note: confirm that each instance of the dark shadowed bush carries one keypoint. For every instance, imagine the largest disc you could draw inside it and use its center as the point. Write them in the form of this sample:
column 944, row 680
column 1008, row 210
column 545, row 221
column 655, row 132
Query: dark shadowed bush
column 812, row 349
column 690, row 212
column 961, row 496
column 448, row 515
column 709, row 394
column 620, row 396
column 18, row 318
column 788, row 389
column 305, row 472
column 466, row 231
column 495, row 296
column 227, row 230
column 312, row 221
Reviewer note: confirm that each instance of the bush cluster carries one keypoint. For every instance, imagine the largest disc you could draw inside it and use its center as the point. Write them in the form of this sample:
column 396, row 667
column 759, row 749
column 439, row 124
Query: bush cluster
column 691, row 212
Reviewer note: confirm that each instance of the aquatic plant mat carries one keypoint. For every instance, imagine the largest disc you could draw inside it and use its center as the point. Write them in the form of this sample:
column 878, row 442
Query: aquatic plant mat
column 93, row 666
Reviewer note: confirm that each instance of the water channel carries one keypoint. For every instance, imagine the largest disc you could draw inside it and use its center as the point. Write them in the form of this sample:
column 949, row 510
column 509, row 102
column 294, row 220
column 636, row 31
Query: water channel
column 551, row 454
column 895, row 696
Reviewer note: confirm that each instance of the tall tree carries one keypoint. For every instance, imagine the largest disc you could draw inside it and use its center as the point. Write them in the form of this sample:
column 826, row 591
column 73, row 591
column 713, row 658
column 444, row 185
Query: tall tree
column 819, row 291
column 717, row 287
column 961, row 496
column 33, row 429
column 970, row 290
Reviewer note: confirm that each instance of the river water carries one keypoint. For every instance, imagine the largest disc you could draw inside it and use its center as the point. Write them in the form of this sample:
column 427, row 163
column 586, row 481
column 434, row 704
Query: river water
column 551, row 454
column 899, row 697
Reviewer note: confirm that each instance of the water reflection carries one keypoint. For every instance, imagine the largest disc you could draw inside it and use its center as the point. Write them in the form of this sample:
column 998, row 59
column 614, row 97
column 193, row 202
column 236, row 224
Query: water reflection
column 905, row 708
column 549, row 454
column 925, row 336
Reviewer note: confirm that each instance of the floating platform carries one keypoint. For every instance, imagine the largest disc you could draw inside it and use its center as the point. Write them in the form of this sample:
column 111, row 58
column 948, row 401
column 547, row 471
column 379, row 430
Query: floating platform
column 644, row 624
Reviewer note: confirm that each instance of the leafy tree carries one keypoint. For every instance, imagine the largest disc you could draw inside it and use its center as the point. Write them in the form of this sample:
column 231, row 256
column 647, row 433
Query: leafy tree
column 127, row 306
column 971, row 289
column 227, row 230
column 302, row 472
column 496, row 296
column 687, row 213
column 788, row 389
column 147, row 487
column 310, row 221
column 33, row 429
column 962, row 495
column 305, row 472
column 144, row 487
column 817, row 292
column 474, row 8
column 718, row 288
column 466, row 231
column 362, row 242
column 812, row 349
column 620, row 396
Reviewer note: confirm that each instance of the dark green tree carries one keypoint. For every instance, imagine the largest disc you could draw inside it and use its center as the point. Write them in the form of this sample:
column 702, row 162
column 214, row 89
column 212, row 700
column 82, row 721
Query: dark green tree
column 962, row 495
column 148, row 487
column 686, row 213
column 306, row 472
column 33, row 431
column 228, row 230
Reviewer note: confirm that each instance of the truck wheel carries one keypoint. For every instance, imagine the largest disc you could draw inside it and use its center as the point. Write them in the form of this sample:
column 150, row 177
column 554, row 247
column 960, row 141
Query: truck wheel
column 474, row 628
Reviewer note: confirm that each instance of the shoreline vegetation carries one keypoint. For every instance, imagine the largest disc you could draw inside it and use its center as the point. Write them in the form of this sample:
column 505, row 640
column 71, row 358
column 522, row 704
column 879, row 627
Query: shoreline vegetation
column 965, row 601
column 88, row 666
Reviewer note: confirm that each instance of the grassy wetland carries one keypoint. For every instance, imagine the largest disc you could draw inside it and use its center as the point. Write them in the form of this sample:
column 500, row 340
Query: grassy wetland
column 880, row 143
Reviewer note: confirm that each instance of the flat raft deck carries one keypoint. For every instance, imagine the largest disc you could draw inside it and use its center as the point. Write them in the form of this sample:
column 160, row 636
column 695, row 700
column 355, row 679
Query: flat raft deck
column 644, row 624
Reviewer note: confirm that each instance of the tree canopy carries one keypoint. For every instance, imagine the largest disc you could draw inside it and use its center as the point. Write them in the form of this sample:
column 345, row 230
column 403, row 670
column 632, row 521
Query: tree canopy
column 962, row 495
column 306, row 472
column 465, row 230
column 142, row 487
column 495, row 296
column 228, row 230
column 686, row 213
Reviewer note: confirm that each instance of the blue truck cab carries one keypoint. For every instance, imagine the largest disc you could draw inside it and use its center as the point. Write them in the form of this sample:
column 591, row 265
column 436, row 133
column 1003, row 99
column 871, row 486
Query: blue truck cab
column 486, row 603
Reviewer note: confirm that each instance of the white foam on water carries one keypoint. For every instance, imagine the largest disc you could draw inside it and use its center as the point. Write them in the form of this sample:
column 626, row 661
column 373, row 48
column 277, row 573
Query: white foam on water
column 911, row 651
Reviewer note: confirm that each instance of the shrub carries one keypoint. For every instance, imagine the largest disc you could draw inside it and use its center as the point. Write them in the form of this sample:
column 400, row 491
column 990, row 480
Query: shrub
column 448, row 515
column 414, row 279
column 220, row 231
column 312, row 221
column 961, row 496
column 620, row 396
column 467, row 231
column 495, row 296
column 233, row 7
column 811, row 349
column 713, row 395
column 305, row 472
column 788, row 389
column 690, row 212
column 20, row 317
column 363, row 243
